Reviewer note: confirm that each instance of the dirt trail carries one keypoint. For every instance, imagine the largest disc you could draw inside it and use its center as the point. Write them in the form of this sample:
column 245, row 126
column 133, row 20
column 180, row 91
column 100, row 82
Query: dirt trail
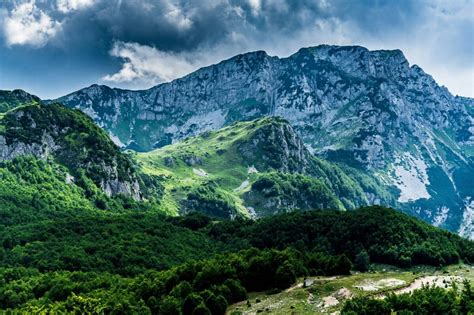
column 242, row 186
column 437, row 281
column 337, row 297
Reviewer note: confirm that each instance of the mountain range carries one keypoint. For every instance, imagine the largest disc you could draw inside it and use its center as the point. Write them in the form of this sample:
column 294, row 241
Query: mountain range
column 372, row 117
column 255, row 185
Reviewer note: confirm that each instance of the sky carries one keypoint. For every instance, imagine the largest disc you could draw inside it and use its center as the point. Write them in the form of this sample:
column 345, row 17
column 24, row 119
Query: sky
column 54, row 47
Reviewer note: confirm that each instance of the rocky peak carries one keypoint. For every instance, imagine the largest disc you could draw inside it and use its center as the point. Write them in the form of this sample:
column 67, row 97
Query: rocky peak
column 97, row 90
column 367, row 109
column 274, row 145
column 91, row 93
column 359, row 61
column 21, row 95
column 255, row 58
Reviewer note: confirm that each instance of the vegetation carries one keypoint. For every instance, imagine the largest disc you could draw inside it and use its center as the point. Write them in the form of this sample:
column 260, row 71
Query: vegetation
column 32, row 190
column 82, row 145
column 70, row 246
column 289, row 192
column 427, row 300
column 387, row 236
column 58, row 162
column 12, row 99
column 108, row 263
column 210, row 200
column 237, row 161
column 214, row 283
column 126, row 244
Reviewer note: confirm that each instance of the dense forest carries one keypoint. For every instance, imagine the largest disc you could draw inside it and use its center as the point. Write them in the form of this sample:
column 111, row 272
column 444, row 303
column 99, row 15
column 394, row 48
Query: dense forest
column 150, row 263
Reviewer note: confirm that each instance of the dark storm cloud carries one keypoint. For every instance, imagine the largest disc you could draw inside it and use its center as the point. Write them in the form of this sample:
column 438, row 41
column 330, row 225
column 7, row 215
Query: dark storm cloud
column 183, row 26
column 137, row 43
column 186, row 25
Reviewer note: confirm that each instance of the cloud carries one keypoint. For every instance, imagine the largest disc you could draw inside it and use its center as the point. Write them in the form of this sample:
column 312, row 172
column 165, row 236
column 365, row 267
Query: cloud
column 28, row 25
column 256, row 5
column 176, row 17
column 438, row 35
column 147, row 65
column 66, row 6
column 178, row 31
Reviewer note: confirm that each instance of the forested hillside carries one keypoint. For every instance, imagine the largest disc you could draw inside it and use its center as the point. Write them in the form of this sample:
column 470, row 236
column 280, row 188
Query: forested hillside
column 104, row 263
column 55, row 162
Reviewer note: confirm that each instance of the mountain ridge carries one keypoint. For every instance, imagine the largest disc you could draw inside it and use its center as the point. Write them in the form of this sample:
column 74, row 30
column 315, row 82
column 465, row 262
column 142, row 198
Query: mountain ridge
column 55, row 161
column 367, row 109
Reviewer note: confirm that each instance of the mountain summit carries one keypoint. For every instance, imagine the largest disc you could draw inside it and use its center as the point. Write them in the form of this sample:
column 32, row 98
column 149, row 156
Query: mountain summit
column 367, row 109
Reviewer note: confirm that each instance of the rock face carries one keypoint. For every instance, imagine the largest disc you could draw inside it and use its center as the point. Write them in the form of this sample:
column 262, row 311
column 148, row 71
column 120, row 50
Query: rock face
column 39, row 150
column 276, row 146
column 367, row 109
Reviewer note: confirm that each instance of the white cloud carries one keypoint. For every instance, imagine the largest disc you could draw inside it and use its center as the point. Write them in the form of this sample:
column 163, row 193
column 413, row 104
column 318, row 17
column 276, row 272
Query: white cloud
column 144, row 66
column 176, row 16
column 66, row 6
column 442, row 45
column 148, row 65
column 28, row 25
column 256, row 6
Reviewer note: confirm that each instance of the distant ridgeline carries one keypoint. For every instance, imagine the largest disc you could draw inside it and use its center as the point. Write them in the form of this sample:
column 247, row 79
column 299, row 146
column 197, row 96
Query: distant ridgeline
column 369, row 110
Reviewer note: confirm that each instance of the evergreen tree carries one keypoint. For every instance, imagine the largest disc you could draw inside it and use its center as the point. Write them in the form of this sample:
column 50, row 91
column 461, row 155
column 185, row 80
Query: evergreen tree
column 362, row 261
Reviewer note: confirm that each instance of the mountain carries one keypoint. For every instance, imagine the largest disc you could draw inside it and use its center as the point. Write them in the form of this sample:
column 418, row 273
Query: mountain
column 84, row 230
column 15, row 98
column 370, row 110
column 254, row 169
column 54, row 159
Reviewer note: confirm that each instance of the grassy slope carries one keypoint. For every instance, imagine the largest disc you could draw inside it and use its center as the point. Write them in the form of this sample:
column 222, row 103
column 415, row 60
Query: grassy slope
column 13, row 99
column 217, row 155
column 221, row 162
column 311, row 299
